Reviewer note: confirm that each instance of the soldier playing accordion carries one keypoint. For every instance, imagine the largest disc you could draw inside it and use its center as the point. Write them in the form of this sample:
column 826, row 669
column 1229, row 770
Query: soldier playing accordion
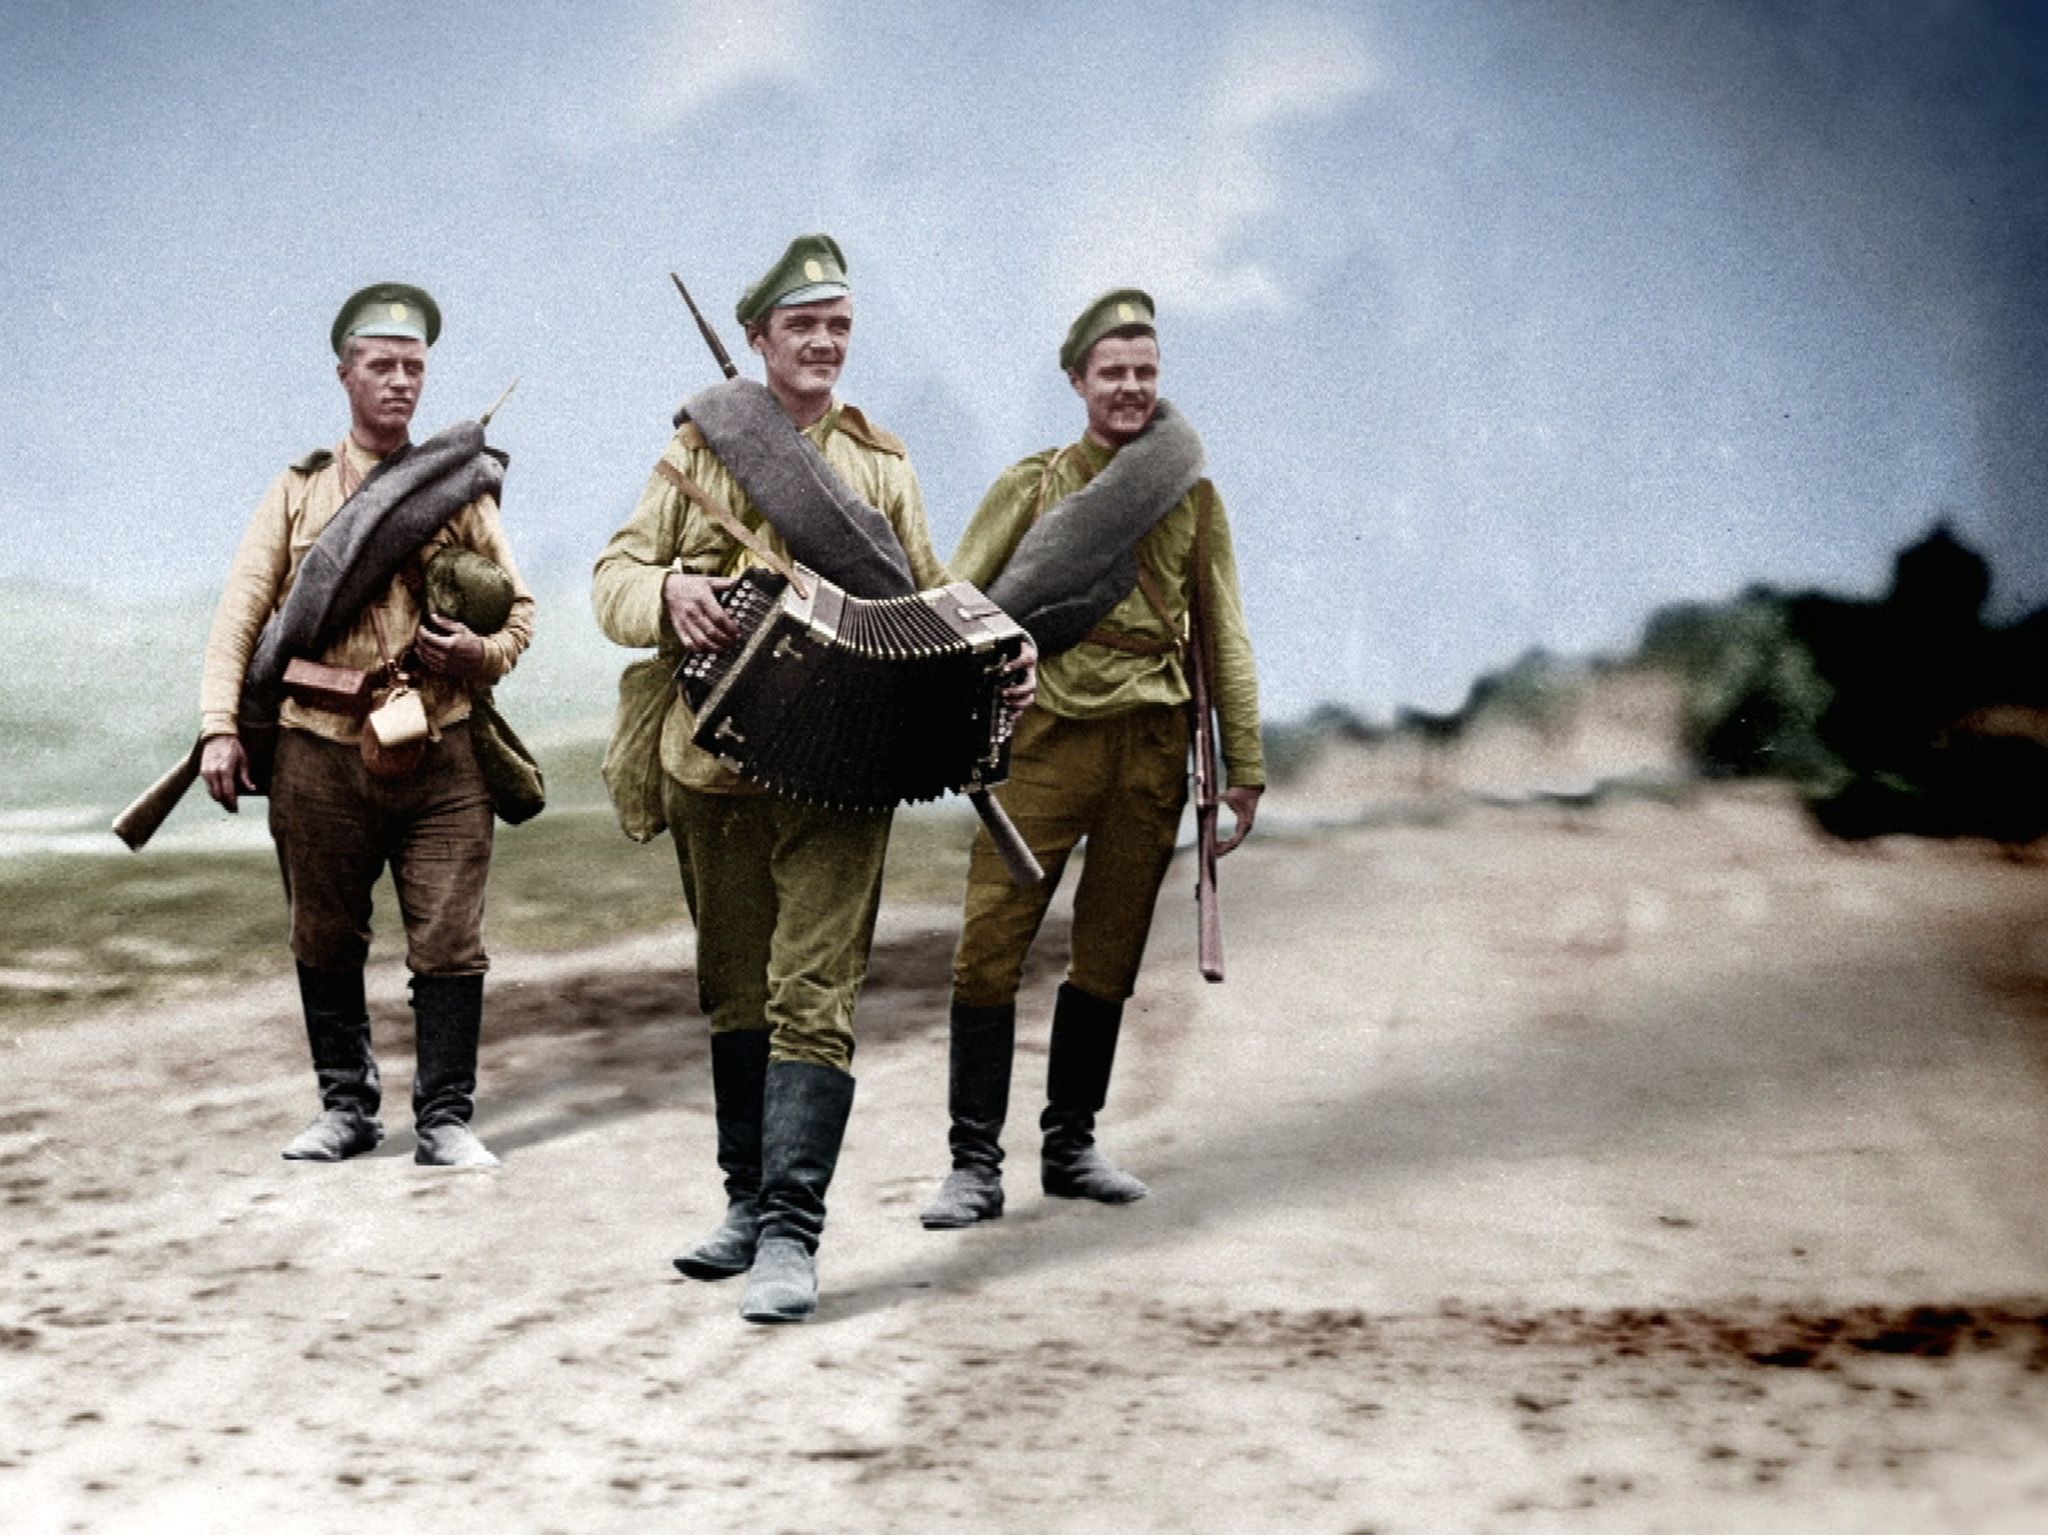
column 783, row 891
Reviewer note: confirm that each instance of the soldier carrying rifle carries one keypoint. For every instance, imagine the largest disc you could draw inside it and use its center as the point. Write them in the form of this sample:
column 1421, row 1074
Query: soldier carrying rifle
column 335, row 684
column 1101, row 550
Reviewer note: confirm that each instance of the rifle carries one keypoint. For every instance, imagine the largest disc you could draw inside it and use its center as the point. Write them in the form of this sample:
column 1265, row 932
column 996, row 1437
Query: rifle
column 1016, row 852
column 1208, row 915
column 138, row 823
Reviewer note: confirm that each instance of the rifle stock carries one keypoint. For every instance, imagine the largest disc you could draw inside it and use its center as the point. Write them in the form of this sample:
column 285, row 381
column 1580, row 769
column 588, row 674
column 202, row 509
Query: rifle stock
column 1208, row 910
column 138, row 823
column 1016, row 852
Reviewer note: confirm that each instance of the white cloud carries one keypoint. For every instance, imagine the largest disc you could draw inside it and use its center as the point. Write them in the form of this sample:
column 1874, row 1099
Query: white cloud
column 1295, row 66
column 709, row 48
column 1177, row 214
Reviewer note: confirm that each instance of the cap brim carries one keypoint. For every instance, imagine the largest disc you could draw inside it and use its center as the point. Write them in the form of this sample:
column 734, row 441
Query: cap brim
column 389, row 329
column 815, row 293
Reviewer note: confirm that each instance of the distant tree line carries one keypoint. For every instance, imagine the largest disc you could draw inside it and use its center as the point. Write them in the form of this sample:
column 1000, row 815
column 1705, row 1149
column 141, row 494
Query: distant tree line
column 1905, row 714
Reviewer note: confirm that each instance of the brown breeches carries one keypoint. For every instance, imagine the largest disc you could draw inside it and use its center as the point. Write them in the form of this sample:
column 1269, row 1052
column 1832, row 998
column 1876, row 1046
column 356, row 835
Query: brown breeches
column 336, row 829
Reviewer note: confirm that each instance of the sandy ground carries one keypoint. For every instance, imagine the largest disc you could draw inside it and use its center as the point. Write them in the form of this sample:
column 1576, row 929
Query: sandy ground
column 1644, row 1168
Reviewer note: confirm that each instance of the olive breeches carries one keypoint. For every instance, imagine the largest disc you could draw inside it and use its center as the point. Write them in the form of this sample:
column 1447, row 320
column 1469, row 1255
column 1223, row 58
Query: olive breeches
column 1120, row 783
column 784, row 897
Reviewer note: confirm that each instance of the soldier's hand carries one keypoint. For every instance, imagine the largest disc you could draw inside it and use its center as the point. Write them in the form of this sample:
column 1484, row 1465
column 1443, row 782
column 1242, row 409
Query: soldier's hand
column 693, row 608
column 1022, row 686
column 448, row 648
column 1244, row 804
column 224, row 765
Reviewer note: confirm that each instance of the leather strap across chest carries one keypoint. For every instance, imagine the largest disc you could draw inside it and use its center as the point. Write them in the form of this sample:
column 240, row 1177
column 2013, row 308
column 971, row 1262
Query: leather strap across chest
column 729, row 522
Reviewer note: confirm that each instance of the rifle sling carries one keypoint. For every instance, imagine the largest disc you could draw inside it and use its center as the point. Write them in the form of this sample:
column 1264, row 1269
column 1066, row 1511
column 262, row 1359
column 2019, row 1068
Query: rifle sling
column 729, row 522
column 1148, row 585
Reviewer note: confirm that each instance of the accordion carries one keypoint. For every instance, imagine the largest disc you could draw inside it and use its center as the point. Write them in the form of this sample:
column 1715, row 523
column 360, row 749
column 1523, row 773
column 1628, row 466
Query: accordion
column 853, row 702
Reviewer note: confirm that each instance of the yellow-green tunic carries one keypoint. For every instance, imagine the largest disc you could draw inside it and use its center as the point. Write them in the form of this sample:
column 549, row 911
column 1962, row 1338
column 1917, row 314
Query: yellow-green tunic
column 668, row 531
column 784, row 895
column 1094, row 681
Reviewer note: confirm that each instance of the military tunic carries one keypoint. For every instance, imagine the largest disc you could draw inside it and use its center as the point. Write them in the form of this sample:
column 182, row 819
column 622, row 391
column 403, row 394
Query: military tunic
column 335, row 826
column 300, row 504
column 1102, row 753
column 784, row 895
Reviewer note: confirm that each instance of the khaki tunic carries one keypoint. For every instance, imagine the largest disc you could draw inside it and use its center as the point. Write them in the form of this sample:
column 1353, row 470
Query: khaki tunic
column 336, row 828
column 301, row 502
column 783, row 894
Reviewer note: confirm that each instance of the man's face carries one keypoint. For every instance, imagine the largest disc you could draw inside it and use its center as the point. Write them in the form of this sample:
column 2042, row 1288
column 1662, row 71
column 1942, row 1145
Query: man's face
column 383, row 376
column 1119, row 383
column 804, row 346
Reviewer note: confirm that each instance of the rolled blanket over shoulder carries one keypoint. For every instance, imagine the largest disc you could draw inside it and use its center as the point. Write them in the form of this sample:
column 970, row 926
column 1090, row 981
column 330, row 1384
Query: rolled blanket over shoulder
column 1080, row 560
column 825, row 524
column 402, row 503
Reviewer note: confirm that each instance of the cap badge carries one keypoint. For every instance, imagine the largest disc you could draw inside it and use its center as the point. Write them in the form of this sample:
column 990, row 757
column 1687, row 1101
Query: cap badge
column 1126, row 313
column 813, row 271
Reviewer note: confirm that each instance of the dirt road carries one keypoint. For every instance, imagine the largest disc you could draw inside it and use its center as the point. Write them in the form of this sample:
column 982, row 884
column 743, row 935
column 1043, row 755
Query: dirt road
column 1647, row 1168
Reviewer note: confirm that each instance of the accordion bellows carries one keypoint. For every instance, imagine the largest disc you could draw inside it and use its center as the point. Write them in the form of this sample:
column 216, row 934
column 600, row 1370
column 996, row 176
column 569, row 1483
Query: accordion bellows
column 854, row 702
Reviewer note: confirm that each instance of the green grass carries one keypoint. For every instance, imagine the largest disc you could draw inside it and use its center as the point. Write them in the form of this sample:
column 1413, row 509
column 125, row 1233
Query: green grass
column 86, row 932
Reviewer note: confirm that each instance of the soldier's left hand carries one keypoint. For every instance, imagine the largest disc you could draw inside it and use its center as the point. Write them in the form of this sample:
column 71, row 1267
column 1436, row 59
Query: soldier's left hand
column 1023, row 684
column 449, row 649
column 1244, row 804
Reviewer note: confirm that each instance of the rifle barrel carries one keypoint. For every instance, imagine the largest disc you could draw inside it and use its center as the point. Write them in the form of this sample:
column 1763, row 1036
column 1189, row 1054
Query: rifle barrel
column 703, row 325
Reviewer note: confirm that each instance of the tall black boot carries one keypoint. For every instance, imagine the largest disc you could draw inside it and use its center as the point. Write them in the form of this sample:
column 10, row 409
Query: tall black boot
column 978, row 1097
column 1084, row 1030
column 804, row 1109
column 338, row 1029
column 448, row 1011
column 739, row 1069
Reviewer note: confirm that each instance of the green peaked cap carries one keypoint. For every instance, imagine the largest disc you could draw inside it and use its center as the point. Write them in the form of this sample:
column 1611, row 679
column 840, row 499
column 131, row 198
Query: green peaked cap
column 810, row 271
column 387, row 309
column 1113, row 311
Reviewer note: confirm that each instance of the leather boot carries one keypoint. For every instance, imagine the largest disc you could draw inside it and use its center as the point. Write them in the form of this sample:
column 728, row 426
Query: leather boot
column 804, row 1109
column 739, row 1069
column 338, row 1030
column 448, row 1011
column 978, row 1097
column 1084, row 1030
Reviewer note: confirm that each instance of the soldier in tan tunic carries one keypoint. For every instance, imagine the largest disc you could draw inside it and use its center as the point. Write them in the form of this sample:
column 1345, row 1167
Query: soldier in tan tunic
column 336, row 826
column 1101, row 758
column 783, row 894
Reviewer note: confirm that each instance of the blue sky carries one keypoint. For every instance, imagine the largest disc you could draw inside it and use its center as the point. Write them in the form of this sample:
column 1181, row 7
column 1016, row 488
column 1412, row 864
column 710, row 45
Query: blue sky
column 1503, row 324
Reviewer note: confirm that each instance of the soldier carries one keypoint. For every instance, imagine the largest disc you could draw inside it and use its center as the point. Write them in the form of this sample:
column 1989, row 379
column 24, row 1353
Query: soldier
column 783, row 894
column 336, row 823
column 1103, row 756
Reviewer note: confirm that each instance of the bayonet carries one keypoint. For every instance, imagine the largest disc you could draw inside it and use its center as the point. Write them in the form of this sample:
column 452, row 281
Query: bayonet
column 710, row 336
